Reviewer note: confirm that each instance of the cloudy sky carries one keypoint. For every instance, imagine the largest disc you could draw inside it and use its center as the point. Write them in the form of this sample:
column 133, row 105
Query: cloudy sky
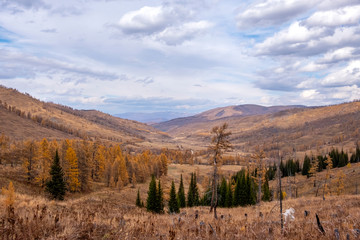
column 183, row 56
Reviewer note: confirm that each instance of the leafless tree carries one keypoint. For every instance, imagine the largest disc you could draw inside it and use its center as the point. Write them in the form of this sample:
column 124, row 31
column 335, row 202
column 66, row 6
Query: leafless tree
column 219, row 144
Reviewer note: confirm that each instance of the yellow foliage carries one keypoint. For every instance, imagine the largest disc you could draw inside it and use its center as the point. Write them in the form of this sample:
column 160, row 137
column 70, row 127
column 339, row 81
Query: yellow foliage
column 284, row 195
column 340, row 182
column 9, row 195
column 73, row 171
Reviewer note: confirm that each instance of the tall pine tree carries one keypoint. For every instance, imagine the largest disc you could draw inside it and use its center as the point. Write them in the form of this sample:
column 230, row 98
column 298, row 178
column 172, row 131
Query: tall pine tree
column 152, row 201
column 222, row 193
column 193, row 193
column 56, row 186
column 181, row 194
column 160, row 199
column 138, row 199
column 229, row 195
column 173, row 202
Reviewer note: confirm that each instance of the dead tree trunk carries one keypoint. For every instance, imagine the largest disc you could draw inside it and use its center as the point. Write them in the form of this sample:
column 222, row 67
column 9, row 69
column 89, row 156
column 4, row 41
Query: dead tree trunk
column 219, row 143
column 214, row 196
column 281, row 196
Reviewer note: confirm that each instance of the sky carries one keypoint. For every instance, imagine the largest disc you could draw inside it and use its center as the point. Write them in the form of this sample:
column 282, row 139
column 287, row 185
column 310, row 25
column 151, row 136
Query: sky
column 181, row 56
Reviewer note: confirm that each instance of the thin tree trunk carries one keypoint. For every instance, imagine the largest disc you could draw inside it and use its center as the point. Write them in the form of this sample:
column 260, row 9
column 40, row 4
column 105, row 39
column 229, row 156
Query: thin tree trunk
column 259, row 188
column 214, row 197
column 280, row 191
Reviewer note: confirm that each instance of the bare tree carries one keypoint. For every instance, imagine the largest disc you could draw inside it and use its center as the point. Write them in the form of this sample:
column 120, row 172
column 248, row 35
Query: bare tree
column 258, row 156
column 219, row 144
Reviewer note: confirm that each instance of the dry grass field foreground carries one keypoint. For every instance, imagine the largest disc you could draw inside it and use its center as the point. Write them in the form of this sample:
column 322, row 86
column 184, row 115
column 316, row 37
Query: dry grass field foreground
column 103, row 216
column 111, row 214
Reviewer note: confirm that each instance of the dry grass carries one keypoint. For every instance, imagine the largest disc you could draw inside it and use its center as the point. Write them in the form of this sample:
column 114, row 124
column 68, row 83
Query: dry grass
column 111, row 214
column 105, row 216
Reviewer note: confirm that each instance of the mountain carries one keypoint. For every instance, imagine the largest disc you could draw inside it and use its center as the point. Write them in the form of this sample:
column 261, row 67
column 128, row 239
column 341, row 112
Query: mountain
column 151, row 118
column 221, row 113
column 287, row 128
column 23, row 116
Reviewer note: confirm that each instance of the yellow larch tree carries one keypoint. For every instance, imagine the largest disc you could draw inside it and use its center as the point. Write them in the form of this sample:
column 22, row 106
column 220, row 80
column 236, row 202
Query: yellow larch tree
column 73, row 171
column 340, row 182
column 164, row 164
column 99, row 163
column 329, row 166
column 9, row 195
column 123, row 173
column 29, row 155
column 43, row 163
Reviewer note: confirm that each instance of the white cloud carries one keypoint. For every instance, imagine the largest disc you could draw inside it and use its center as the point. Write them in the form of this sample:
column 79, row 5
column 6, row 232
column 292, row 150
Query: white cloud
column 272, row 12
column 148, row 20
column 309, row 94
column 349, row 15
column 292, row 40
column 178, row 34
column 341, row 54
column 346, row 76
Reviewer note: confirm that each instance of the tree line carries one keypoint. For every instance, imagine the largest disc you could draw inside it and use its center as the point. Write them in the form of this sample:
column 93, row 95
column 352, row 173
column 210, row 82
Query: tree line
column 82, row 162
column 239, row 190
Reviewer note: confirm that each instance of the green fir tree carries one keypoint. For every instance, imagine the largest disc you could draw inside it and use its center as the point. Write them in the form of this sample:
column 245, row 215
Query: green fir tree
column 181, row 194
column 160, row 199
column 173, row 202
column 56, row 186
column 152, row 201
column 266, row 197
column 138, row 200
column 222, row 193
column 229, row 196
column 193, row 193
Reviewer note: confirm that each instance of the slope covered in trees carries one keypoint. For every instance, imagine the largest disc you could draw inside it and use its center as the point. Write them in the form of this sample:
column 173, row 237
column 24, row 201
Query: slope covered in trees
column 21, row 113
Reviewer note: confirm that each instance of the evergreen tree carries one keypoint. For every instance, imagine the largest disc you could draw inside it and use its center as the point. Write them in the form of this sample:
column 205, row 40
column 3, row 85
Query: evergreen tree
column 251, row 190
column 152, row 201
column 173, row 202
column 236, row 199
column 229, row 195
column 306, row 166
column 193, row 193
column 138, row 199
column 266, row 191
column 160, row 199
column 196, row 192
column 222, row 193
column 181, row 194
column 56, row 186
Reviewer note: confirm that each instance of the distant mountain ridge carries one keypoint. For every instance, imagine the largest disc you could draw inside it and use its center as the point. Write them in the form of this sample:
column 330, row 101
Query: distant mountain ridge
column 151, row 118
column 222, row 113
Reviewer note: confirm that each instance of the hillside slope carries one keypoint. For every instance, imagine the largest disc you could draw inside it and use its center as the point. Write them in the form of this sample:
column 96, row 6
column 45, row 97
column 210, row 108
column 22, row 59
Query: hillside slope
column 220, row 114
column 22, row 113
column 303, row 129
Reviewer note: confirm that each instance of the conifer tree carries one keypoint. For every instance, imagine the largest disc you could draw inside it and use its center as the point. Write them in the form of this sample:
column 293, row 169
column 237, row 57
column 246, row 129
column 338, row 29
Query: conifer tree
column 222, row 193
column 193, row 194
column 160, row 199
column 181, row 194
column 173, row 202
column 266, row 191
column 56, row 186
column 151, row 202
column 236, row 200
column 306, row 166
column 138, row 199
column 251, row 192
column 229, row 195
